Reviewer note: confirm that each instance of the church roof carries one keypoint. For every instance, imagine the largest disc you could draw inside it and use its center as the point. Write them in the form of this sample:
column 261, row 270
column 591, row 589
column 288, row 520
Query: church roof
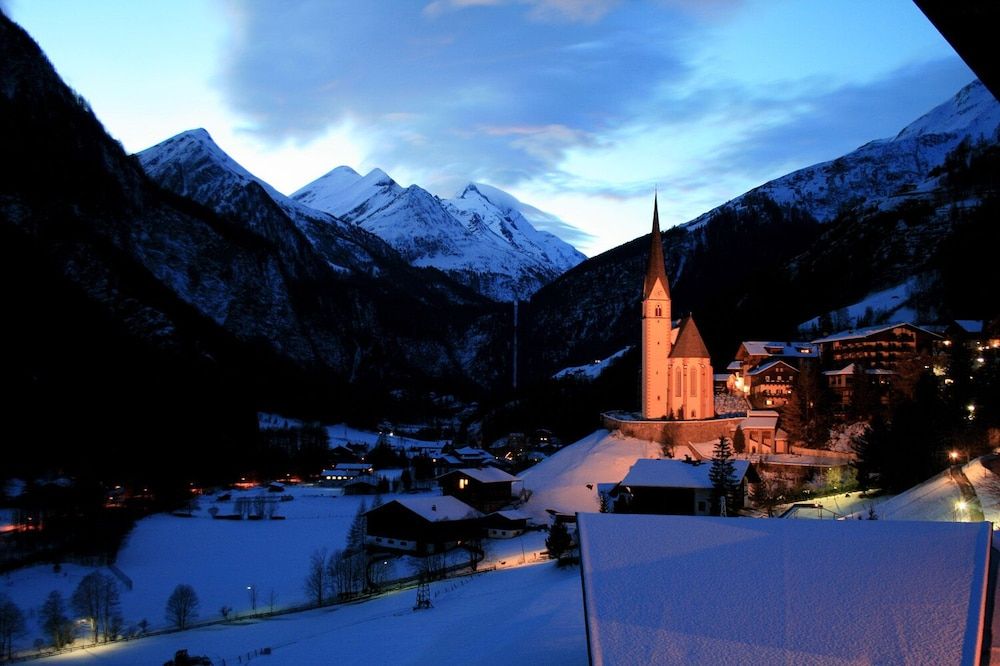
column 689, row 343
column 657, row 266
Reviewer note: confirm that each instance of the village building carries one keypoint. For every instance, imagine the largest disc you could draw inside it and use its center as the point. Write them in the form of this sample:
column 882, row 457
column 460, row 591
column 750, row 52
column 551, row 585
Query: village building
column 341, row 473
column 505, row 524
column 761, row 434
column 670, row 590
column 422, row 525
column 676, row 487
column 882, row 347
column 770, row 384
column 677, row 377
column 487, row 489
column 753, row 355
column 841, row 382
column 469, row 457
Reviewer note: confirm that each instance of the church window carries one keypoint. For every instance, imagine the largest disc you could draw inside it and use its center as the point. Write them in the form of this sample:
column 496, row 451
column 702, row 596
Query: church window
column 693, row 380
column 659, row 312
column 677, row 383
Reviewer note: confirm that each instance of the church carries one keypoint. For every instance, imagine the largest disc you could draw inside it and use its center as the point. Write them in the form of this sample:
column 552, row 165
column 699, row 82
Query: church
column 677, row 380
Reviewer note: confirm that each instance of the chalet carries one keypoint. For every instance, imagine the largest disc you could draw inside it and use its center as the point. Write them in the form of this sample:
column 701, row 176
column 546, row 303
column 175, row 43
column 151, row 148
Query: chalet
column 877, row 346
column 341, row 473
column 753, row 354
column 361, row 485
column 841, row 382
column 505, row 524
column 470, row 457
column 679, row 487
column 761, row 433
column 421, row 525
column 670, row 590
column 487, row 488
column 770, row 384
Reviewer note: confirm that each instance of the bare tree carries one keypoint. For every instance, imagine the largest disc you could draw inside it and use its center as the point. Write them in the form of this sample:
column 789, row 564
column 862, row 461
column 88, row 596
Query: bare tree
column 317, row 580
column 97, row 599
column 182, row 606
column 12, row 626
column 54, row 620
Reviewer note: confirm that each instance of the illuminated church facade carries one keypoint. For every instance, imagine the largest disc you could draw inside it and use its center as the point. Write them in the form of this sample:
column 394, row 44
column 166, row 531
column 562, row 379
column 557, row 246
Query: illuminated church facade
column 677, row 380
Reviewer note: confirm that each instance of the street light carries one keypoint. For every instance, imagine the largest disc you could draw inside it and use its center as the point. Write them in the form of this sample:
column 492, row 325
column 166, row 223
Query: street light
column 253, row 598
column 961, row 506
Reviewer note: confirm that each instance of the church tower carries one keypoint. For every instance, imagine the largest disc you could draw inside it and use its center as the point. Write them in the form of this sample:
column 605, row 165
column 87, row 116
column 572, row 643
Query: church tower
column 656, row 329
column 677, row 381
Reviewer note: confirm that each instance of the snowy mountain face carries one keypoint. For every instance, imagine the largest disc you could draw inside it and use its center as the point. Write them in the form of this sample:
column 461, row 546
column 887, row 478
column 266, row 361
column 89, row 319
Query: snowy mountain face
column 885, row 170
column 907, row 221
column 482, row 241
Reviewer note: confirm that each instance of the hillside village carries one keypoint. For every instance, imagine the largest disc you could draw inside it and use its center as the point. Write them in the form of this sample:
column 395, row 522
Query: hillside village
column 439, row 511
column 825, row 499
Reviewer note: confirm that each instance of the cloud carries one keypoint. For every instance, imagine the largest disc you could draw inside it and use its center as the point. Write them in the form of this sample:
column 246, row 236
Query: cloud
column 436, row 85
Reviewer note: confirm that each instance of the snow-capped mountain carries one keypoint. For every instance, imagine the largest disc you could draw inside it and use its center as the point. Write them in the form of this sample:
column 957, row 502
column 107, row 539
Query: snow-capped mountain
column 885, row 169
column 484, row 244
column 908, row 219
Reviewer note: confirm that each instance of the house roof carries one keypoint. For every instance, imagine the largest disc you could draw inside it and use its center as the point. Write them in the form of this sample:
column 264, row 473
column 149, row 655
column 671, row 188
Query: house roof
column 970, row 325
column 849, row 369
column 871, row 330
column 656, row 268
column 734, row 365
column 484, row 475
column 653, row 473
column 757, row 421
column 352, row 467
column 469, row 452
column 766, row 348
column 511, row 514
column 436, row 508
column 886, row 591
column 689, row 343
column 764, row 367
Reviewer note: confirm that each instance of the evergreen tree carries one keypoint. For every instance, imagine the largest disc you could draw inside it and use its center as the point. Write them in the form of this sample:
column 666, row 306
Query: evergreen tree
column 356, row 533
column 739, row 440
column 806, row 415
column 558, row 541
column 54, row 620
column 723, row 474
column 870, row 452
column 864, row 396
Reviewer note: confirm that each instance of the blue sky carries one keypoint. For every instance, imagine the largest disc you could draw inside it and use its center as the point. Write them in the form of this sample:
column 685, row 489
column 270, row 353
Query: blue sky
column 579, row 107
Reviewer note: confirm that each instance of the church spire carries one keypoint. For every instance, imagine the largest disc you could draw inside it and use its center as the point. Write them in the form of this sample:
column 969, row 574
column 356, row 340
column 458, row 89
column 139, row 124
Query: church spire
column 657, row 266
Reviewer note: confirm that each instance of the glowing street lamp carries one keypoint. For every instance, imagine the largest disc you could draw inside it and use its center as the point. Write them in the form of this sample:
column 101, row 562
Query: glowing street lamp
column 253, row 597
column 961, row 507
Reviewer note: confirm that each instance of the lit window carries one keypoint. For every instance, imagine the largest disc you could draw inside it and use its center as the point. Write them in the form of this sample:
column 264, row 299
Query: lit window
column 462, row 483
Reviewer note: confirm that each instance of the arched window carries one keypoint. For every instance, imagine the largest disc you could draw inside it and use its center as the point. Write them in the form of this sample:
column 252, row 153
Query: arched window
column 659, row 311
column 678, row 391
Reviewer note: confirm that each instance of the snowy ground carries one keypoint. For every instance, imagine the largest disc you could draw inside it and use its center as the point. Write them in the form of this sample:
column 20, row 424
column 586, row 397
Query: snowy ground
column 525, row 615
column 516, row 614
column 567, row 481
column 833, row 506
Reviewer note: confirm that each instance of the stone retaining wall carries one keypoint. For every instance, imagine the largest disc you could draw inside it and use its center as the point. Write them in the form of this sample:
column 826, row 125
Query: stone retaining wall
column 681, row 432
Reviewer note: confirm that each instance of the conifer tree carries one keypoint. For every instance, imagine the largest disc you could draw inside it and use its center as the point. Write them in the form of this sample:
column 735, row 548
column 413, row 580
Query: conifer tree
column 54, row 620
column 806, row 415
column 723, row 473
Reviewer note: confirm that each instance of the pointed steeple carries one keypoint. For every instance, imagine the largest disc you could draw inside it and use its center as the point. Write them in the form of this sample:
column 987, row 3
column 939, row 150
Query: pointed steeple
column 689, row 342
column 657, row 266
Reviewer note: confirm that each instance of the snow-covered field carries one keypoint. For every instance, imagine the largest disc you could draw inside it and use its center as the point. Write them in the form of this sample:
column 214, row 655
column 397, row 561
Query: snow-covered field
column 515, row 614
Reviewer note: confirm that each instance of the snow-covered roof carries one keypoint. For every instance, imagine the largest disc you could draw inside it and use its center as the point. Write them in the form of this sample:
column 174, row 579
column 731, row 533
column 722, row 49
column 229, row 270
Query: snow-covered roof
column 886, row 592
column 793, row 349
column 849, row 369
column 469, row 452
column 484, row 475
column 759, row 421
column 511, row 514
column 855, row 334
column 764, row 367
column 970, row 325
column 734, row 365
column 436, row 508
column 357, row 467
column 648, row 472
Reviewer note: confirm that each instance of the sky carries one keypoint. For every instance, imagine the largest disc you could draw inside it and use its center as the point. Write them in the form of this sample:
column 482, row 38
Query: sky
column 579, row 107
